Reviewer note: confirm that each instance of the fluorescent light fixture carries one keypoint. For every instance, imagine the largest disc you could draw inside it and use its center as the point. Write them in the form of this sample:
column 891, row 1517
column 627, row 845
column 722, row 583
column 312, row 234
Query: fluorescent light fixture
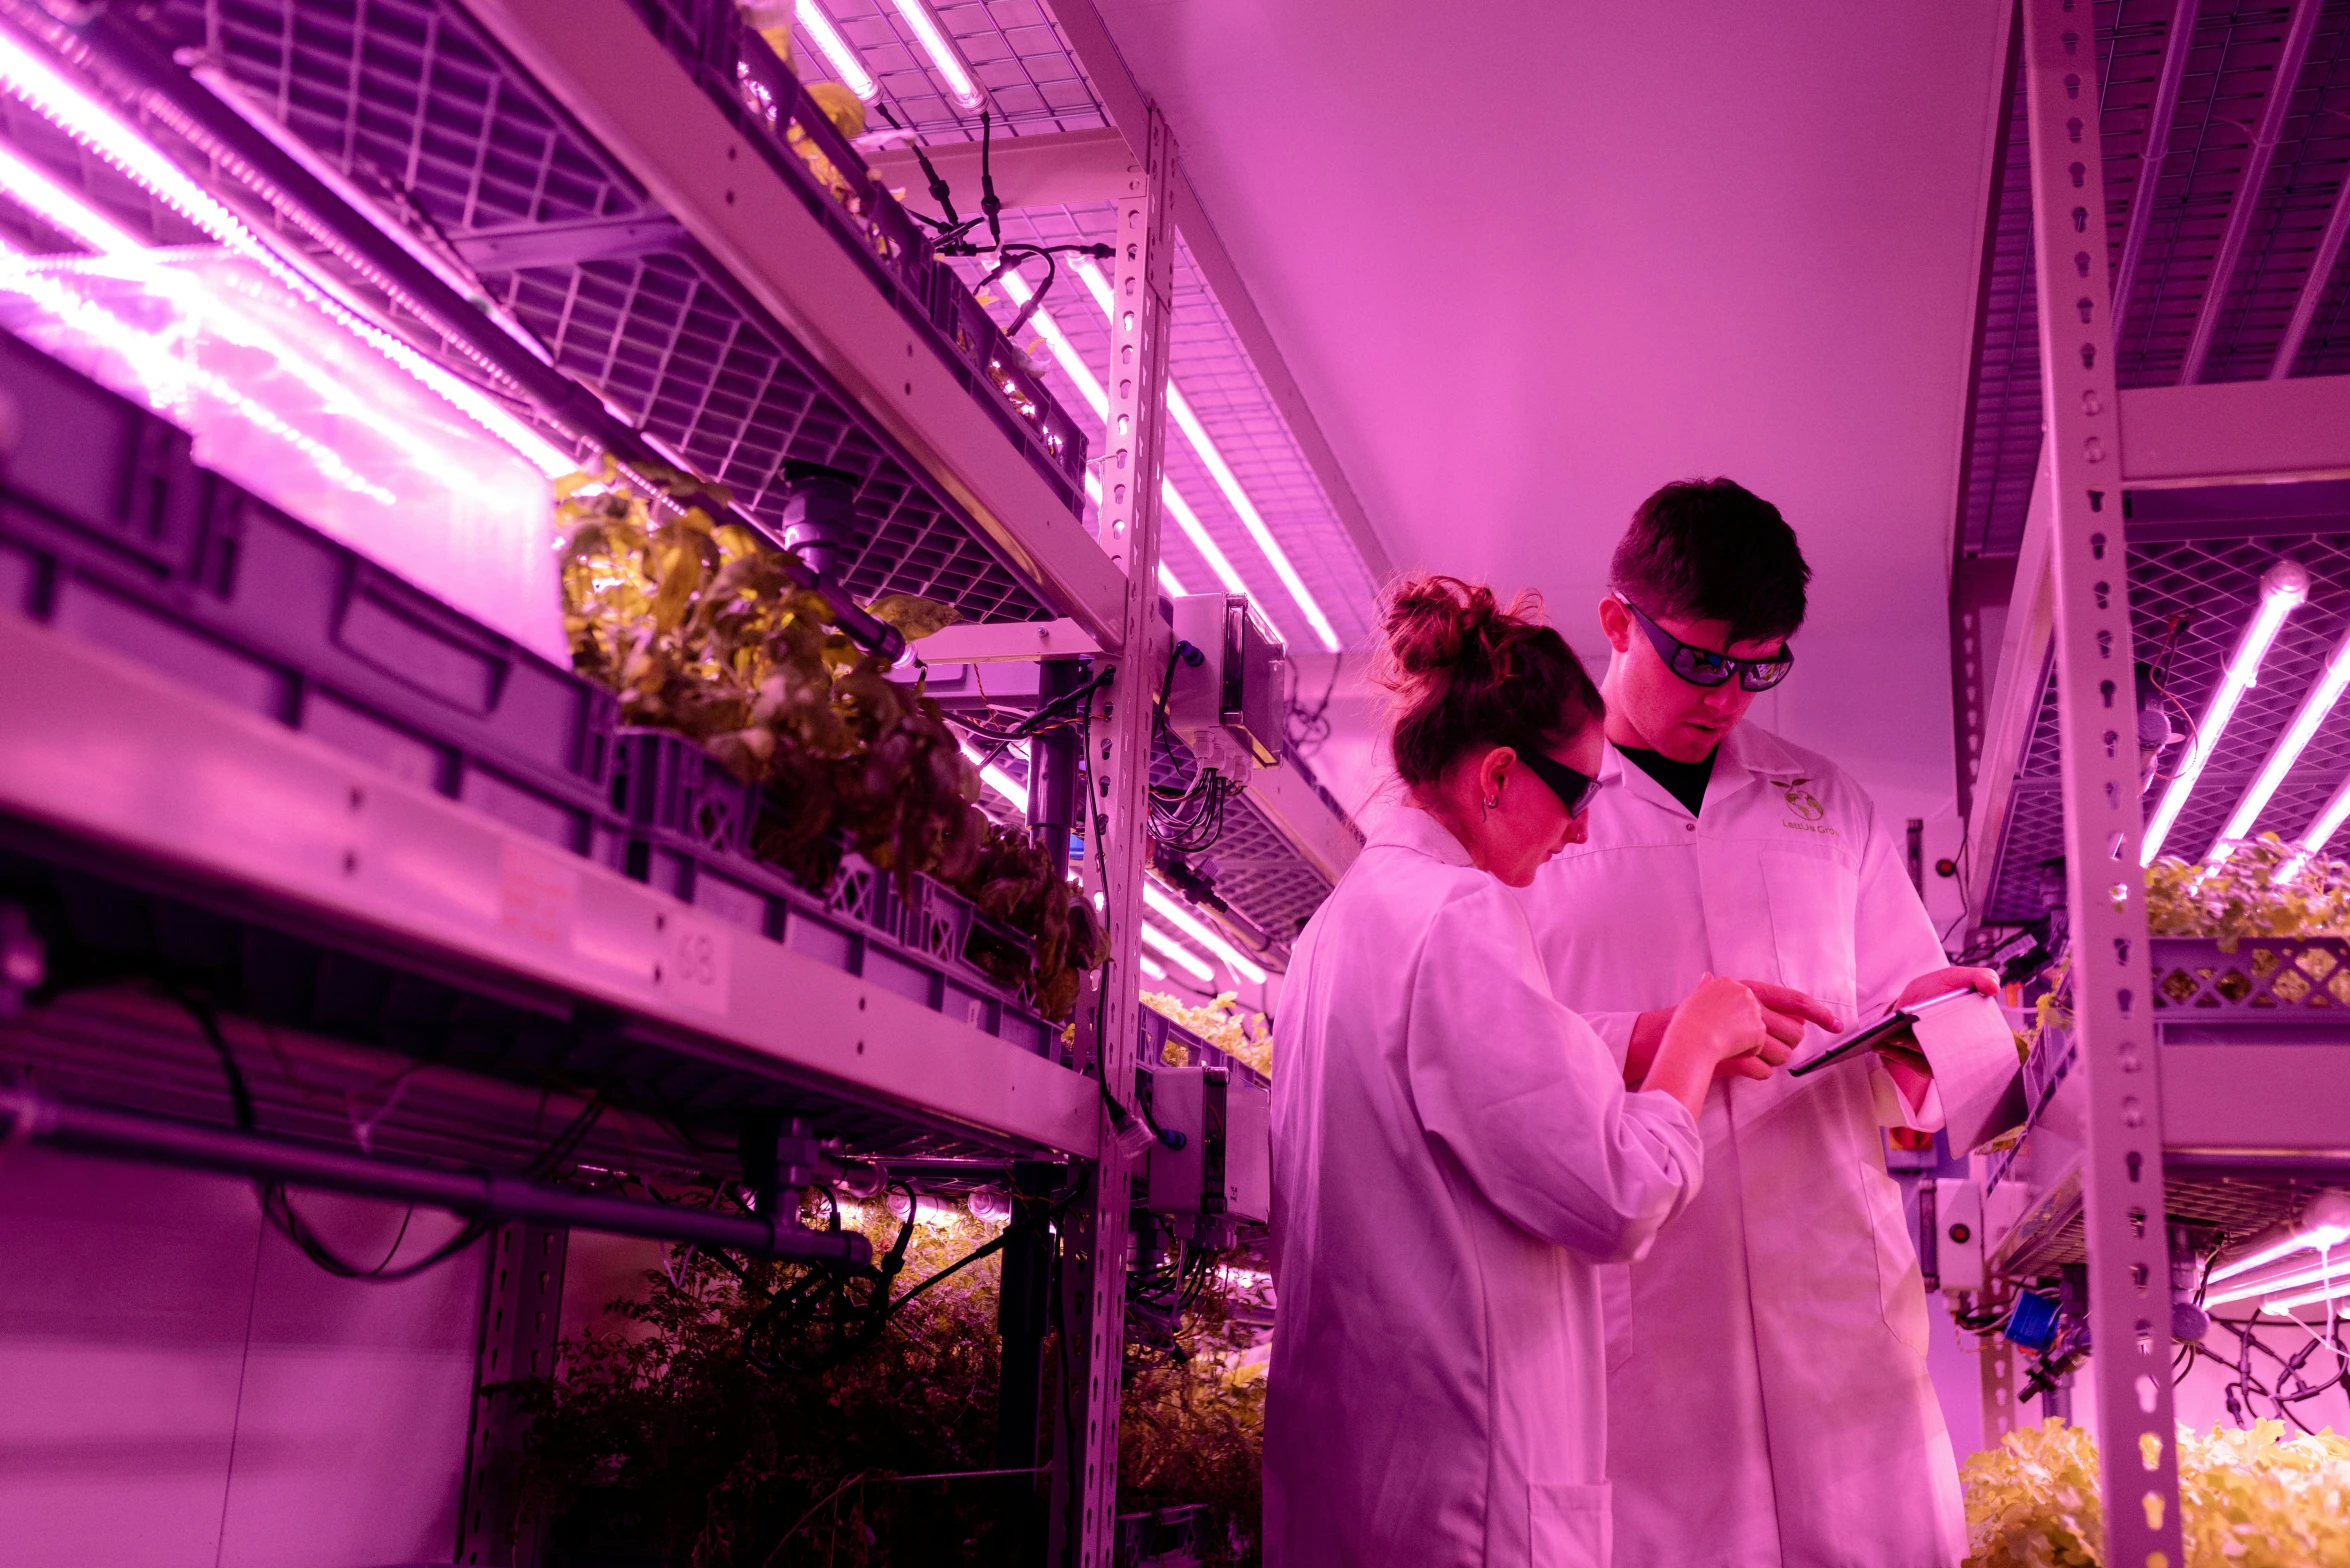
column 38, row 83
column 1226, row 480
column 1151, row 966
column 1250, row 518
column 1201, row 932
column 2324, row 1225
column 836, row 50
column 2284, row 587
column 2315, row 708
column 61, row 209
column 1096, row 283
column 2319, row 833
column 1182, row 957
column 1089, row 387
column 962, row 86
column 2242, row 1289
column 1197, row 532
column 2282, row 1304
column 996, row 778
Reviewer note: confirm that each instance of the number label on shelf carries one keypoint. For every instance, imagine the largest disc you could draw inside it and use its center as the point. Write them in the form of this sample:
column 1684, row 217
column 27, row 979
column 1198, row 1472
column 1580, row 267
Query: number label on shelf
column 696, row 962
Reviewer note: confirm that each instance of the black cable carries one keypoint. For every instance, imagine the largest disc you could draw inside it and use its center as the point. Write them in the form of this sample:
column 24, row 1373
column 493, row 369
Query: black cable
column 990, row 203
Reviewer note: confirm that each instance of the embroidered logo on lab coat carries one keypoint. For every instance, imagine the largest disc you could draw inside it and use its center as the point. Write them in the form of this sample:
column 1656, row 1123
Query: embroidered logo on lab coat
column 1802, row 801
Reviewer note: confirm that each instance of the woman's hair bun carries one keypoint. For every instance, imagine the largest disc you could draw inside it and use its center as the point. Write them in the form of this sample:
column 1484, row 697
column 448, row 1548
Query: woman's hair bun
column 1466, row 668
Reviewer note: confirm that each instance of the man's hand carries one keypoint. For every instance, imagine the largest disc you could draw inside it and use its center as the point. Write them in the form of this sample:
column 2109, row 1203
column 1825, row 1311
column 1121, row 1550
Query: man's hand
column 1785, row 1012
column 1908, row 1065
column 1942, row 982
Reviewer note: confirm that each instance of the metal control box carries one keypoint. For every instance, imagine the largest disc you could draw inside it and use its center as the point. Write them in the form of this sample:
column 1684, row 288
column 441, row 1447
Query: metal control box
column 1231, row 707
column 1958, row 1233
column 1224, row 1166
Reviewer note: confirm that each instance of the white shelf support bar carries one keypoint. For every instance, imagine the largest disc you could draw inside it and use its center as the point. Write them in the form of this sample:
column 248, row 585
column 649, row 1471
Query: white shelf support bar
column 2122, row 1176
column 1142, row 283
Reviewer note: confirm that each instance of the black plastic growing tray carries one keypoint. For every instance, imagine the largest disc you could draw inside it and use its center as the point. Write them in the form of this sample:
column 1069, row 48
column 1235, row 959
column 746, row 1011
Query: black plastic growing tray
column 686, row 829
column 110, row 532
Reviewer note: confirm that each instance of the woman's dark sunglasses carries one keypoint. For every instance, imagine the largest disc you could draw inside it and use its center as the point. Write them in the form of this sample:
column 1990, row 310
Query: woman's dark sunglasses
column 1703, row 666
column 1572, row 787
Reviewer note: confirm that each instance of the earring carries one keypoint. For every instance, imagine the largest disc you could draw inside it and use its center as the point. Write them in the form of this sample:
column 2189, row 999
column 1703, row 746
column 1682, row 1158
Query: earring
column 1493, row 805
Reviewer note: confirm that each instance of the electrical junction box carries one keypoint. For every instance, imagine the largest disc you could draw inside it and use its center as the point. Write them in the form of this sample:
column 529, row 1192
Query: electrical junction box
column 1225, row 1167
column 1232, row 708
column 1958, row 1224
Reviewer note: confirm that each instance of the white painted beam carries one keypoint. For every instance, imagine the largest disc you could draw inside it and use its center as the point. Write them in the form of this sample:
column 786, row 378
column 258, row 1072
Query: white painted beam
column 1062, row 169
column 2241, row 432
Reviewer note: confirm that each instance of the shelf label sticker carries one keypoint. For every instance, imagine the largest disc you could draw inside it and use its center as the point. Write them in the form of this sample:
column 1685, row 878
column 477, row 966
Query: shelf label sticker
column 696, row 963
column 538, row 895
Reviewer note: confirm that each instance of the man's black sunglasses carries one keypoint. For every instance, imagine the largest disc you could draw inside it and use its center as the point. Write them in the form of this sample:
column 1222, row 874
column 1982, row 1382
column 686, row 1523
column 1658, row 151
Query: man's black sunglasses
column 1571, row 786
column 1703, row 666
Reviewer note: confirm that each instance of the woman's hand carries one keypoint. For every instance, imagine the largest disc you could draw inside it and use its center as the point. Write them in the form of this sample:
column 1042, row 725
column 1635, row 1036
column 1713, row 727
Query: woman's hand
column 1785, row 1012
column 1718, row 1021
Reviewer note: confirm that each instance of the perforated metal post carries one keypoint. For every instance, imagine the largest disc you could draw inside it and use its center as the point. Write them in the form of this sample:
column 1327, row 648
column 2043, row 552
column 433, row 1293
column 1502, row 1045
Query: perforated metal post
column 1142, row 282
column 2121, row 1185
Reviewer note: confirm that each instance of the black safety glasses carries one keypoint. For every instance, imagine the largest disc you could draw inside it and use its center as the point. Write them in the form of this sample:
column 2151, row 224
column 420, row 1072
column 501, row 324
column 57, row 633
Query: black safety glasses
column 1703, row 666
column 1570, row 785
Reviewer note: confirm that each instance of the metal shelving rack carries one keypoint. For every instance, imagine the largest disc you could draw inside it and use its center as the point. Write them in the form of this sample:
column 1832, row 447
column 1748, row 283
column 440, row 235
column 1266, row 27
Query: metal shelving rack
column 2157, row 415
column 692, row 298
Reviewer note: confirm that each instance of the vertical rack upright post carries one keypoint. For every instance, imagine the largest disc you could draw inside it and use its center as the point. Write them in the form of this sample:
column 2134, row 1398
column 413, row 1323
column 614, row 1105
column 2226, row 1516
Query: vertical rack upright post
column 1142, row 287
column 2122, row 1175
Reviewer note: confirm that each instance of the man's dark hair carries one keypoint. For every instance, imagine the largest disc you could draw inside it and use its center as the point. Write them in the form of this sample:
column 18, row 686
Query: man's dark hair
column 1713, row 550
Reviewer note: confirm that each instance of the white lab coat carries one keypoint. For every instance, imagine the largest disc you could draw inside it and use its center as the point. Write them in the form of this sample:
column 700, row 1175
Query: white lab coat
column 1768, row 1396
column 1451, row 1151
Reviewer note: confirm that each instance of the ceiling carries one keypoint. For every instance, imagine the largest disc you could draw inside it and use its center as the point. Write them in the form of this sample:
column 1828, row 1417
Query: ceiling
column 1531, row 261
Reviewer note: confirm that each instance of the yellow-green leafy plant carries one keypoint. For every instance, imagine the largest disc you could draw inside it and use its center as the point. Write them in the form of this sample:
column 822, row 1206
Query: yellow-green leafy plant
column 2253, row 1498
column 1223, row 1023
column 1012, row 880
column 700, row 628
column 2259, row 890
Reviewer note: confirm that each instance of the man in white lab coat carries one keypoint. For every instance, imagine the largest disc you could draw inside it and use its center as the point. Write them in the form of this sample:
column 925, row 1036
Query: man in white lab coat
column 1768, row 1399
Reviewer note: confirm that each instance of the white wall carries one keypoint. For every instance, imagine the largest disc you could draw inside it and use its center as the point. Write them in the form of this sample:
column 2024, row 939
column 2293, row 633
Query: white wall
column 183, row 1389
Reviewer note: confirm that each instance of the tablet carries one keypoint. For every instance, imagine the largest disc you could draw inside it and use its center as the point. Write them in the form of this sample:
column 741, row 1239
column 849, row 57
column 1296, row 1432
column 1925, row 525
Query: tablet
column 1896, row 1022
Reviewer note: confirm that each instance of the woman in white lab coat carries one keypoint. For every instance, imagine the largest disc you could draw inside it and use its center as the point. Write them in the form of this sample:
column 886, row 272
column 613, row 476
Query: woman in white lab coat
column 1454, row 1151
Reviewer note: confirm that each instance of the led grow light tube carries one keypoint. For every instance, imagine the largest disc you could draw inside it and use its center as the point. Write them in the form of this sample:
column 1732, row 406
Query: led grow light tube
column 54, row 205
column 996, row 778
column 1151, row 966
column 2244, row 1289
column 72, row 110
column 1184, row 958
column 836, row 50
column 1201, row 932
column 2324, row 1224
column 2331, row 682
column 1089, row 387
column 2319, row 833
column 1226, row 480
column 962, row 86
column 2329, row 1292
column 2284, row 587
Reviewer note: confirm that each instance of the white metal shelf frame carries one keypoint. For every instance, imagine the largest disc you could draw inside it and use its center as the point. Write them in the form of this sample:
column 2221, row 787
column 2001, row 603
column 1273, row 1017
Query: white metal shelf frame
column 2145, row 1101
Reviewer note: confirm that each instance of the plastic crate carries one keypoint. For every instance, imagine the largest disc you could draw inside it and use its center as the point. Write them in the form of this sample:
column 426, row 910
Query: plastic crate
column 1167, row 1538
column 1001, row 376
column 857, row 933
column 663, row 780
column 135, row 547
column 1157, row 1031
column 179, row 569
